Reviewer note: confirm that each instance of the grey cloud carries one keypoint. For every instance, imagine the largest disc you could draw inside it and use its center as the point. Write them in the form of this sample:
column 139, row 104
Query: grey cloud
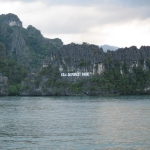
column 82, row 18
column 132, row 3
column 82, row 23
column 65, row 2
column 126, row 3
column 26, row 1
column 135, row 3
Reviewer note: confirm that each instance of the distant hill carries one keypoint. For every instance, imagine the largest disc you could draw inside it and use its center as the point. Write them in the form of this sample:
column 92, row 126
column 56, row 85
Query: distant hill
column 108, row 47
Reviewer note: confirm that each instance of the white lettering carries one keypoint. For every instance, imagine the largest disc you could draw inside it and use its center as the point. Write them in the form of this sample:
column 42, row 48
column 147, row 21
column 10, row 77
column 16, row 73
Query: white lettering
column 63, row 74
column 85, row 74
column 69, row 74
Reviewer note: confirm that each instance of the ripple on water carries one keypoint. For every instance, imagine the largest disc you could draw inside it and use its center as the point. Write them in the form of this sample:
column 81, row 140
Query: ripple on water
column 108, row 122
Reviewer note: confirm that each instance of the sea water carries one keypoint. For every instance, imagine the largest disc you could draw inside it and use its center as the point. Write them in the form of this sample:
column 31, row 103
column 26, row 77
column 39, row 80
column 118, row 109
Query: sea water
column 75, row 123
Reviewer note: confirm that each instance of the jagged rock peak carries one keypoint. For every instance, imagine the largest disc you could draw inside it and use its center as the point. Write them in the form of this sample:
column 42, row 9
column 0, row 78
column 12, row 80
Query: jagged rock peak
column 32, row 31
column 10, row 19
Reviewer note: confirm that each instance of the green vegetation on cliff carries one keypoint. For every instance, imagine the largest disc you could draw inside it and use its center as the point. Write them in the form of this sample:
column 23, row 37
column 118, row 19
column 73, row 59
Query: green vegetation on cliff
column 111, row 81
column 15, row 73
column 26, row 46
column 33, row 65
column 22, row 50
column 12, row 70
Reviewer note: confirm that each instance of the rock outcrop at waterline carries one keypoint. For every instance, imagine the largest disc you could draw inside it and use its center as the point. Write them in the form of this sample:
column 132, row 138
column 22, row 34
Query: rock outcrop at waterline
column 3, row 85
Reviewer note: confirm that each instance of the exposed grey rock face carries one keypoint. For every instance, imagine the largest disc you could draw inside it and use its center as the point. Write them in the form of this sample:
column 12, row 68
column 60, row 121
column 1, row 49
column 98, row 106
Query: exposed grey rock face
column 130, row 56
column 90, row 58
column 32, row 32
column 26, row 46
column 74, row 62
column 11, row 20
column 77, row 59
column 3, row 85
column 18, row 46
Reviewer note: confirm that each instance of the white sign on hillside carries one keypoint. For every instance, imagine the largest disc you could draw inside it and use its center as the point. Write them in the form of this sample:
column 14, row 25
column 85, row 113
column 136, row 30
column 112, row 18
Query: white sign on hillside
column 84, row 74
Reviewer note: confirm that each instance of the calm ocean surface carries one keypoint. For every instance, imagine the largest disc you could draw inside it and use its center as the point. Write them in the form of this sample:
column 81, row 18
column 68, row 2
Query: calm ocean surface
column 75, row 123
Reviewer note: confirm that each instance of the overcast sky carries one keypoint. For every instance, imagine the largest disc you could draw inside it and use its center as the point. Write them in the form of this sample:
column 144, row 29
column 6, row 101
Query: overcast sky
column 121, row 23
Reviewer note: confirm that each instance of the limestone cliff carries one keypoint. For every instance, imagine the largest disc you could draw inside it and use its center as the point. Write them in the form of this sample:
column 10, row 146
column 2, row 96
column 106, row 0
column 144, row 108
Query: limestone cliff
column 3, row 85
column 87, row 70
column 77, row 58
column 22, row 50
column 11, row 20
column 47, row 67
column 92, row 59
column 26, row 46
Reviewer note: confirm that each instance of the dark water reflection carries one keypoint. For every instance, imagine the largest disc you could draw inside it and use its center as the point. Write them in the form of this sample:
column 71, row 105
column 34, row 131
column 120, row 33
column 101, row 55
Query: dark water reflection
column 86, row 123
